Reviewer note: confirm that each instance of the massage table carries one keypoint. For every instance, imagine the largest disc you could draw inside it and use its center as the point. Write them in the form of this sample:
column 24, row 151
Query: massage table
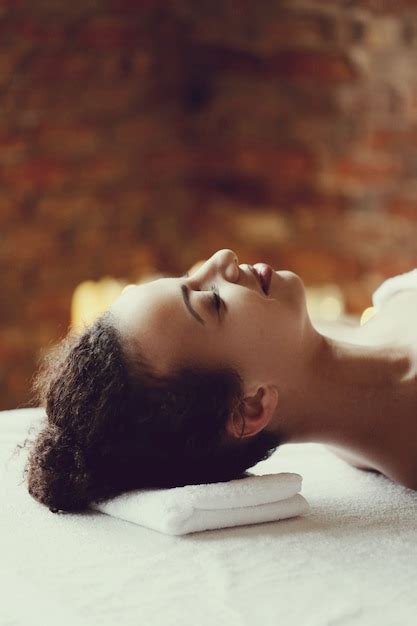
column 352, row 560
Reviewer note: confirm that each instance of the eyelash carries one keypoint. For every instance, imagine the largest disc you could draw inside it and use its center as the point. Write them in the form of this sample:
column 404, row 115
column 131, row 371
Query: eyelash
column 216, row 298
column 217, row 302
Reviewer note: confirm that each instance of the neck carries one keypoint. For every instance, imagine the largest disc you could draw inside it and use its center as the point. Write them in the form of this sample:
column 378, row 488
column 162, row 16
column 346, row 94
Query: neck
column 344, row 393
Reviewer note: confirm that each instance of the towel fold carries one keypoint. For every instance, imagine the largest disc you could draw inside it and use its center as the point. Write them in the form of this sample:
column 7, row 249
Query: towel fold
column 392, row 285
column 181, row 510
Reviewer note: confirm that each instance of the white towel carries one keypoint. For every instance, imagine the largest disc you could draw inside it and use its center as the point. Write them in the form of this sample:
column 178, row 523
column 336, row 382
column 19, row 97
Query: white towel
column 181, row 510
column 408, row 280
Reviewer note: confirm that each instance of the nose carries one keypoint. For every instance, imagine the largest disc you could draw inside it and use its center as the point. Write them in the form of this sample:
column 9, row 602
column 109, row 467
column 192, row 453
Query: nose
column 224, row 262
column 227, row 263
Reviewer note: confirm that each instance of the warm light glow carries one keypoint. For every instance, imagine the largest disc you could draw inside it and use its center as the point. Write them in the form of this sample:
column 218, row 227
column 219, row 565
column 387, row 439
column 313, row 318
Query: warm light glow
column 325, row 302
column 127, row 287
column 330, row 308
column 367, row 314
column 91, row 299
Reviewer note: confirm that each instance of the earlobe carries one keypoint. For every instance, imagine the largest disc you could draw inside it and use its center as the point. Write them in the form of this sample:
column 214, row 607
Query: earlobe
column 255, row 413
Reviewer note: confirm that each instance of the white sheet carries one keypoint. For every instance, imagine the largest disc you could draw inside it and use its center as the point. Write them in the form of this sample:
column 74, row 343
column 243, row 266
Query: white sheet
column 353, row 560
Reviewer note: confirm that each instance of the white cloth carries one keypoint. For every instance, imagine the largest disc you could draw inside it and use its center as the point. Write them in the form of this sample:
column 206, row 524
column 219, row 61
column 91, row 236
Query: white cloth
column 392, row 285
column 351, row 561
column 182, row 510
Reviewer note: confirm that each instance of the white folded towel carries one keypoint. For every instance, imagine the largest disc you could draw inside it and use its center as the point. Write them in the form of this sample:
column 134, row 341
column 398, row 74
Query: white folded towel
column 181, row 510
column 392, row 285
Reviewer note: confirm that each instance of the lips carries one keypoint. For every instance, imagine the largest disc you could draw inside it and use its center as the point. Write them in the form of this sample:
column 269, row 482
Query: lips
column 264, row 272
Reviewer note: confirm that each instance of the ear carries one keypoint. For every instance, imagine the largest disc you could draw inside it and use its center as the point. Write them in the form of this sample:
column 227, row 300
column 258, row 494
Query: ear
column 255, row 412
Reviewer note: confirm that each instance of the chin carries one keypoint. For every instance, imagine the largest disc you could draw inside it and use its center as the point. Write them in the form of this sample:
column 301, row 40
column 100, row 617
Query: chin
column 287, row 282
column 285, row 276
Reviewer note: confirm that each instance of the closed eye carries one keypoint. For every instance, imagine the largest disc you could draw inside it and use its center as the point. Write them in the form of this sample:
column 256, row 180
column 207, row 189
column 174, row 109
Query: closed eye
column 217, row 301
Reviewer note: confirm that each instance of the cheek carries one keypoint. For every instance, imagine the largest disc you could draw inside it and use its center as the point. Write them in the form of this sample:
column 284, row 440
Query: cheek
column 270, row 326
column 249, row 324
column 248, row 331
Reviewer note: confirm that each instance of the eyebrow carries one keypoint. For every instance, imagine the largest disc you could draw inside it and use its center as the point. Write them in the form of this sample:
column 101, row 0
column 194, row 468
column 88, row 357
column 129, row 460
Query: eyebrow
column 186, row 297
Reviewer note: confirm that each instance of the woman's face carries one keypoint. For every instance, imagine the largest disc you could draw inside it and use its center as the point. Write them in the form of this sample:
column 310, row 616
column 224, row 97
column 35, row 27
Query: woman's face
column 176, row 320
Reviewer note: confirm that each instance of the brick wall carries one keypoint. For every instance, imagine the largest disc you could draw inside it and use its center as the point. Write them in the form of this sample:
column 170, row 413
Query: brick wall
column 139, row 136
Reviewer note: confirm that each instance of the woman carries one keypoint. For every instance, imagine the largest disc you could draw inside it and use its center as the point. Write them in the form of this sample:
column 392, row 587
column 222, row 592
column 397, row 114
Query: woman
column 194, row 379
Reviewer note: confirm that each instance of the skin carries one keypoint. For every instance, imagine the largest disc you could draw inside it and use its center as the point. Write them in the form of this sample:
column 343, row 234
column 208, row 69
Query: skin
column 349, row 387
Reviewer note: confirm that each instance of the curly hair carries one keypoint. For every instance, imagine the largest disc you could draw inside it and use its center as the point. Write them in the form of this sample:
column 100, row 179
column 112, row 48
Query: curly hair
column 112, row 424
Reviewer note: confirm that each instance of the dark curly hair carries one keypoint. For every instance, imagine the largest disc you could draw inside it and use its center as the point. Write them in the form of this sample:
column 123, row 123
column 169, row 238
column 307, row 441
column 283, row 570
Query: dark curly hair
column 112, row 424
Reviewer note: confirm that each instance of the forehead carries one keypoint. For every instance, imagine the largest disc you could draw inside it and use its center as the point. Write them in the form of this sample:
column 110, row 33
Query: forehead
column 149, row 306
column 153, row 319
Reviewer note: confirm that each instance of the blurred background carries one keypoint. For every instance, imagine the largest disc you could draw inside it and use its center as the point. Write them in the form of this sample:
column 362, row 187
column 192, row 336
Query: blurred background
column 139, row 137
